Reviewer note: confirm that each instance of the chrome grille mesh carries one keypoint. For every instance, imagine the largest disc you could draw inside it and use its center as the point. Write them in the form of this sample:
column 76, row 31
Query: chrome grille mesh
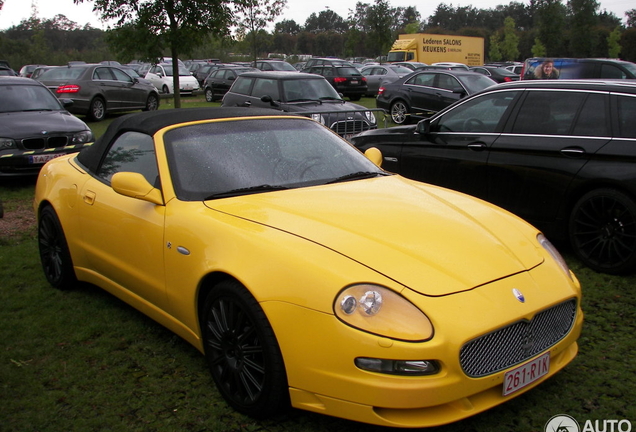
column 517, row 342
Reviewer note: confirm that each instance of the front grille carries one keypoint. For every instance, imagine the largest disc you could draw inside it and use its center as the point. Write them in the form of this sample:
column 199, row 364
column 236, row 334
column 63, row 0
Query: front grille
column 44, row 142
column 517, row 342
column 350, row 127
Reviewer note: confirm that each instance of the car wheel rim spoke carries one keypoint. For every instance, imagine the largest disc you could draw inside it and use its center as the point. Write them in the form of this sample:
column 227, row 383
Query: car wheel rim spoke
column 237, row 356
column 50, row 249
column 605, row 231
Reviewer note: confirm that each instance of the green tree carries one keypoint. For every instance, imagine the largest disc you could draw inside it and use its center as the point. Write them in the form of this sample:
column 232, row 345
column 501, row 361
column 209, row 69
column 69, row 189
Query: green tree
column 148, row 28
column 583, row 18
column 494, row 53
column 510, row 44
column 538, row 49
column 550, row 16
column 253, row 17
column 613, row 43
column 631, row 17
column 325, row 21
column 628, row 43
column 287, row 26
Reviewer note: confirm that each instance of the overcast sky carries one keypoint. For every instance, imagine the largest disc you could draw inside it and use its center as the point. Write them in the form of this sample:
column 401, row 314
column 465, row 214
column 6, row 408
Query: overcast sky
column 14, row 11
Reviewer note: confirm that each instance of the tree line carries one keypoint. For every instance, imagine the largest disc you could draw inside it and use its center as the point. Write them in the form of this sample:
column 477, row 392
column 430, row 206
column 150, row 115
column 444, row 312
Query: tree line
column 511, row 32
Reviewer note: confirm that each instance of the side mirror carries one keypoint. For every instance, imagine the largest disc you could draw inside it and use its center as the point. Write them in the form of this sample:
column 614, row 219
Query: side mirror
column 374, row 155
column 268, row 99
column 423, row 127
column 136, row 186
column 460, row 91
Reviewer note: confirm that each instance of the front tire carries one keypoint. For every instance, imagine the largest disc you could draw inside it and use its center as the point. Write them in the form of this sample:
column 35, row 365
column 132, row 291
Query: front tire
column 152, row 103
column 603, row 231
column 209, row 94
column 242, row 352
column 400, row 112
column 54, row 253
column 97, row 109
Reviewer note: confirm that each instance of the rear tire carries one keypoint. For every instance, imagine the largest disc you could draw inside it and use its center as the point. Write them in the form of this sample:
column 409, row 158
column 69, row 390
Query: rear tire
column 97, row 109
column 165, row 89
column 602, row 231
column 54, row 253
column 400, row 112
column 209, row 94
column 242, row 352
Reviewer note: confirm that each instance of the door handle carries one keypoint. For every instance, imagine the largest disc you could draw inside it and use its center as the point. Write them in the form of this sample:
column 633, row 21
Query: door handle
column 89, row 197
column 477, row 146
column 390, row 159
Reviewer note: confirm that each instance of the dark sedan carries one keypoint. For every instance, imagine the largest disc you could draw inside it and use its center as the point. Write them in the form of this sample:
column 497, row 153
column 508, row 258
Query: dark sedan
column 35, row 127
column 220, row 80
column 422, row 94
column 498, row 74
column 559, row 154
column 347, row 80
column 298, row 93
column 100, row 89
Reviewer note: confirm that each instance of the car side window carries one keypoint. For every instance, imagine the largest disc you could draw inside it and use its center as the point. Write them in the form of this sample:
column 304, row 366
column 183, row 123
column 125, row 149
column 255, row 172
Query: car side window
column 328, row 71
column 423, row 79
column 548, row 112
column 242, row 85
column 448, row 82
column 592, row 120
column 131, row 152
column 626, row 116
column 121, row 75
column 265, row 86
column 102, row 74
column 611, row 71
column 481, row 114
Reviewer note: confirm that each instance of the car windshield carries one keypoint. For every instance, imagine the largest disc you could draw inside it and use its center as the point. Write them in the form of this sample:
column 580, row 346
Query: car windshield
column 297, row 90
column 284, row 66
column 183, row 71
column 475, row 82
column 348, row 71
column 15, row 98
column 401, row 69
column 221, row 159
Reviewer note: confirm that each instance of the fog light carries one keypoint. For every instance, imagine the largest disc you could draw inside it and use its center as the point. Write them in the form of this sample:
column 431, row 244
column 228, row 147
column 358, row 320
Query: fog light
column 398, row 367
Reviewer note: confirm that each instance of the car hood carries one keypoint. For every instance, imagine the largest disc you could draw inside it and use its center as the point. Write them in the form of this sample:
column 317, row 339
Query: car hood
column 321, row 106
column 24, row 124
column 433, row 240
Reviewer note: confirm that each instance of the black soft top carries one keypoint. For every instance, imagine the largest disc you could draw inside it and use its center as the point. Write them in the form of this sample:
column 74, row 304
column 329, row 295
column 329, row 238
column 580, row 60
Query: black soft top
column 152, row 121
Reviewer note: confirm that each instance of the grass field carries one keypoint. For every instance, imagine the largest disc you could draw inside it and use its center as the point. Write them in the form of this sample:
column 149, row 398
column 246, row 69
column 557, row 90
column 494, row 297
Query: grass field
column 82, row 360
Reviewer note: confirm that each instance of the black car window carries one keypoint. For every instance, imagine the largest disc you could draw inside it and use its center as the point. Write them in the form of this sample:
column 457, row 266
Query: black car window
column 447, row 82
column 626, row 116
column 214, row 74
column 424, row 79
column 328, row 72
column 611, row 71
column 347, row 71
column 266, row 86
column 242, row 85
column 548, row 112
column 481, row 114
column 120, row 75
column 131, row 152
column 592, row 121
column 103, row 74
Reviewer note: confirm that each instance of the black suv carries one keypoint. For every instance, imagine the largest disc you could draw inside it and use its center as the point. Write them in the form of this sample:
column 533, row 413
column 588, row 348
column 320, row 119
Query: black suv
column 300, row 92
column 560, row 154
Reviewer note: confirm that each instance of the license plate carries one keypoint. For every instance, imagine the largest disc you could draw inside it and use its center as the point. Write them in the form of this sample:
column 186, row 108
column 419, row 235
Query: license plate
column 526, row 374
column 354, row 81
column 40, row 159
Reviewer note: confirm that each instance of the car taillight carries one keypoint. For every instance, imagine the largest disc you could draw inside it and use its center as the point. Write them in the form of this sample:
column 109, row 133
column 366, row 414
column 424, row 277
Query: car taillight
column 507, row 79
column 339, row 80
column 70, row 88
column 380, row 90
column 364, row 79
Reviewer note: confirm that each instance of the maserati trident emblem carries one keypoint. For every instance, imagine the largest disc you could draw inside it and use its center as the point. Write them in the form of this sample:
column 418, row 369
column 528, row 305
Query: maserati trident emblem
column 519, row 295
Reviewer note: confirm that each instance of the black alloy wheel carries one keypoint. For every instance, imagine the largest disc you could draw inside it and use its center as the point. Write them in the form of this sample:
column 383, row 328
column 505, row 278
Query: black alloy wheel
column 54, row 253
column 97, row 109
column 400, row 112
column 242, row 352
column 603, row 231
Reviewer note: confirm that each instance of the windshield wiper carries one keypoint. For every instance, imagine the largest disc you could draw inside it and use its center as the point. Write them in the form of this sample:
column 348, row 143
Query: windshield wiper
column 246, row 191
column 357, row 176
column 305, row 100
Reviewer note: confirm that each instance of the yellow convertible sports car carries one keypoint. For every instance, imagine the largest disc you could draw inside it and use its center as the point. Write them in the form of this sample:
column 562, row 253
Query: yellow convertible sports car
column 307, row 275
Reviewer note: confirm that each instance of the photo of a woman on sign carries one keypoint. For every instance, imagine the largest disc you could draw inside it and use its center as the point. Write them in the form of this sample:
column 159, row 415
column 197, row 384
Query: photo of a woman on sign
column 546, row 70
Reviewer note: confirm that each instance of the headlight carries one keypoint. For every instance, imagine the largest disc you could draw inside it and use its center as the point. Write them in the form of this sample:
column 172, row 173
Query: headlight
column 383, row 312
column 82, row 137
column 7, row 143
column 549, row 247
column 369, row 115
column 318, row 118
